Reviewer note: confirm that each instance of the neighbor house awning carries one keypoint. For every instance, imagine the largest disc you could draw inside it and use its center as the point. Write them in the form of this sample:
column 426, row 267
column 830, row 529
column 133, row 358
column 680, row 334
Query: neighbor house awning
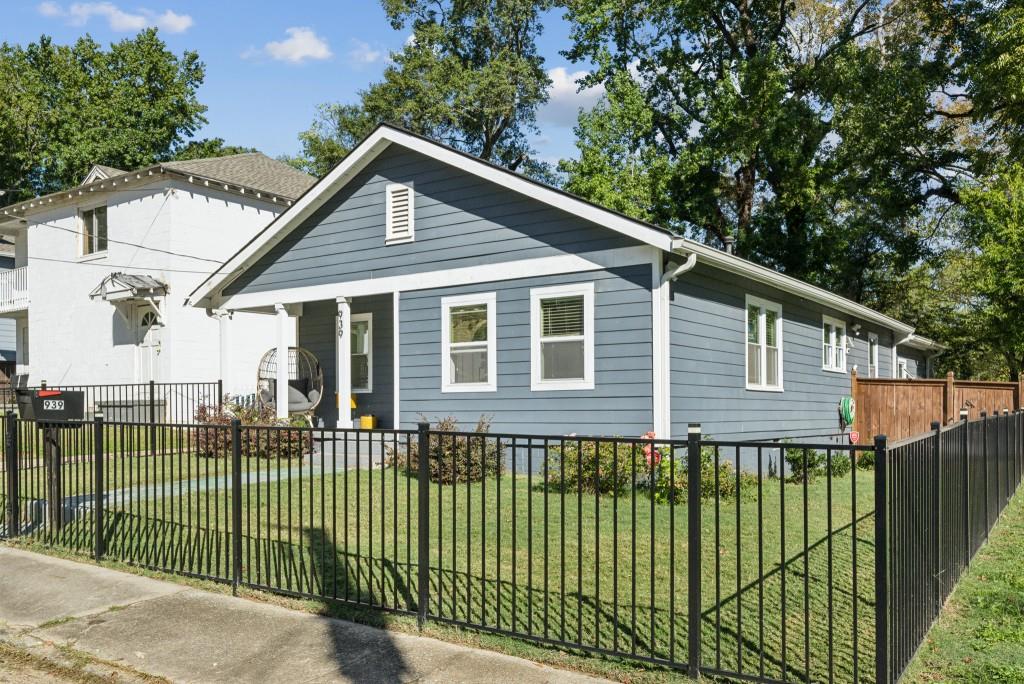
column 123, row 287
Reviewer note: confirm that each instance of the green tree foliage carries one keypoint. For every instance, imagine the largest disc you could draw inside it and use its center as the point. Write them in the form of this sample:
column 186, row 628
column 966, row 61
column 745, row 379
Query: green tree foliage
column 67, row 107
column 816, row 133
column 208, row 147
column 469, row 76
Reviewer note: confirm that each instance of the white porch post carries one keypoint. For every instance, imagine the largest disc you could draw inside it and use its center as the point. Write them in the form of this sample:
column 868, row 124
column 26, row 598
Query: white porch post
column 224, row 328
column 344, row 363
column 282, row 361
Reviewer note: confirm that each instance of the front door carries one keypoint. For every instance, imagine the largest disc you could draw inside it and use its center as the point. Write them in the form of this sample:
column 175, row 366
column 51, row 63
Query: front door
column 149, row 331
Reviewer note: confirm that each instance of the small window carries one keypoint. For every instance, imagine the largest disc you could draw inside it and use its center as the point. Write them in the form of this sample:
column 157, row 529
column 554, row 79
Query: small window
column 399, row 214
column 93, row 230
column 362, row 353
column 148, row 320
column 468, row 352
column 764, row 345
column 562, row 337
column 833, row 344
column 872, row 355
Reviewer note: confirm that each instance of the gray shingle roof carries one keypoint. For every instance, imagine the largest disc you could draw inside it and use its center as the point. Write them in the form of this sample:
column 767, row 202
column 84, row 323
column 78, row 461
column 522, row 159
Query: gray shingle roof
column 253, row 170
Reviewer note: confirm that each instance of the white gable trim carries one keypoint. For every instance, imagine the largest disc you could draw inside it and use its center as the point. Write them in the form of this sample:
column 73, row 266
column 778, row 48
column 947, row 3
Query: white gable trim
column 368, row 150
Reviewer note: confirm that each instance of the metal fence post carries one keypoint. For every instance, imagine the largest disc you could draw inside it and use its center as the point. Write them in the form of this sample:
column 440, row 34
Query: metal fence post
column 964, row 417
column 937, row 512
column 693, row 533
column 99, row 496
column 881, row 564
column 984, row 460
column 220, row 395
column 1007, row 457
column 236, row 504
column 152, row 418
column 11, row 464
column 423, row 524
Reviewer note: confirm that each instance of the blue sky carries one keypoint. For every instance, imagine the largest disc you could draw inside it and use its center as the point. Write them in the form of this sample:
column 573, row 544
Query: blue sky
column 270, row 63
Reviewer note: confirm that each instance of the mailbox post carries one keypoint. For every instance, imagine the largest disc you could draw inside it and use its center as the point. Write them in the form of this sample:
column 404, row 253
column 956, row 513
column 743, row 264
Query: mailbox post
column 52, row 410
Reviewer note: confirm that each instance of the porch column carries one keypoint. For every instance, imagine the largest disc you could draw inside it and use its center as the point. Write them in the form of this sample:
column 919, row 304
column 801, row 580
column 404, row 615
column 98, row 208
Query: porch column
column 344, row 363
column 224, row 328
column 282, row 361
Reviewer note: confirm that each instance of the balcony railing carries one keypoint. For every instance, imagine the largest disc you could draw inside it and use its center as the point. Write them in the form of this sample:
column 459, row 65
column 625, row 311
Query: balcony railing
column 14, row 289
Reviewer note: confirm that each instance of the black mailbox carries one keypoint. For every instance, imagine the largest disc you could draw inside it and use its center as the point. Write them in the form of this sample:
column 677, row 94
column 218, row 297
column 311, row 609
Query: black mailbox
column 51, row 405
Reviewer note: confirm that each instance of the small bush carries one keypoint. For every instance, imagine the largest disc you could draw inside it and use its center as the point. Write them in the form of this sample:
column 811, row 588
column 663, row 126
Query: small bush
column 604, row 467
column 213, row 440
column 814, row 463
column 455, row 458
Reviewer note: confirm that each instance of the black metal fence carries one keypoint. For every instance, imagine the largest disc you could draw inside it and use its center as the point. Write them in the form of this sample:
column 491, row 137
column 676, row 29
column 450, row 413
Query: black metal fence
column 942, row 494
column 164, row 402
column 756, row 560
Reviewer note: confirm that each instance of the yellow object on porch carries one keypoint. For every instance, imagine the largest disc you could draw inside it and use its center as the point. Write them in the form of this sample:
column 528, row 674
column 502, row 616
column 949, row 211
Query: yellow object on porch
column 367, row 422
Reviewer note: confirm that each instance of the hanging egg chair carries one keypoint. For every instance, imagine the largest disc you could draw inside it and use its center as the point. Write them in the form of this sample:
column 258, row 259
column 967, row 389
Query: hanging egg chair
column 305, row 381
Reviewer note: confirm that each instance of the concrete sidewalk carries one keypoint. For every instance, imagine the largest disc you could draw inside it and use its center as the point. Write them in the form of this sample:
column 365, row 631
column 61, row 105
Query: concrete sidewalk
column 189, row 635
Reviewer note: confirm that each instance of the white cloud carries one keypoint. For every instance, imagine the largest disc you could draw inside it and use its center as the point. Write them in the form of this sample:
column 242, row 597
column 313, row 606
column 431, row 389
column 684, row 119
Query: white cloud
column 565, row 100
column 301, row 44
column 363, row 54
column 80, row 13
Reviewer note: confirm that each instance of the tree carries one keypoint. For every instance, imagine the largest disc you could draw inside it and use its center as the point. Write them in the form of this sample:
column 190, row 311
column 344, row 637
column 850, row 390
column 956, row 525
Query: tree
column 470, row 76
column 809, row 131
column 67, row 107
column 208, row 147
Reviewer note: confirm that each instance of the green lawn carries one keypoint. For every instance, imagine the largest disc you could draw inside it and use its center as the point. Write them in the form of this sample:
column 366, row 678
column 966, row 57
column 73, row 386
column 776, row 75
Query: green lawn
column 509, row 555
column 979, row 636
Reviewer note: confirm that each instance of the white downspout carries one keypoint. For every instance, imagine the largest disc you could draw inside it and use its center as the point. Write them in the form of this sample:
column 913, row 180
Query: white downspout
column 895, row 354
column 662, row 338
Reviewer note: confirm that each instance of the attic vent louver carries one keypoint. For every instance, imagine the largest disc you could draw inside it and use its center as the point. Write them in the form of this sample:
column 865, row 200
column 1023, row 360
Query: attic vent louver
column 399, row 210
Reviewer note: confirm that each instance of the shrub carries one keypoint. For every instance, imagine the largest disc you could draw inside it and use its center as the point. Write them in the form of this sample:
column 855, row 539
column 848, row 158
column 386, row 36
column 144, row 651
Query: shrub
column 814, row 463
column 597, row 466
column 663, row 490
column 454, row 458
column 604, row 467
column 212, row 439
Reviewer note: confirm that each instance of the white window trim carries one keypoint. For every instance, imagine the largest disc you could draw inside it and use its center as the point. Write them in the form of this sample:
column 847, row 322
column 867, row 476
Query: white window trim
column 389, row 229
column 873, row 340
column 368, row 317
column 80, row 225
column 836, row 322
column 490, row 299
column 537, row 383
column 765, row 305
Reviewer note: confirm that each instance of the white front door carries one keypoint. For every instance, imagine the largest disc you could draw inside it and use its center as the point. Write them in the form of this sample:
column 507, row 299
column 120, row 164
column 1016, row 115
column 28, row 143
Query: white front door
column 149, row 332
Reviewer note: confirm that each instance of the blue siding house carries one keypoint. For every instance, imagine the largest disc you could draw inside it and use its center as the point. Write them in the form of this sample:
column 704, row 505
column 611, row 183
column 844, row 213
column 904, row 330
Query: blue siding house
column 430, row 283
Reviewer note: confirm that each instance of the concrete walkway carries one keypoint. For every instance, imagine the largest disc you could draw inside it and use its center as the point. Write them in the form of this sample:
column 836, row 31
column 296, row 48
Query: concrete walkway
column 189, row 635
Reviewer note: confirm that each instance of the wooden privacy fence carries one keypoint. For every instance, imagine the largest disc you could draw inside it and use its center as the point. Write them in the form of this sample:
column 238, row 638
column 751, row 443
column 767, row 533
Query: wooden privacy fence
column 905, row 408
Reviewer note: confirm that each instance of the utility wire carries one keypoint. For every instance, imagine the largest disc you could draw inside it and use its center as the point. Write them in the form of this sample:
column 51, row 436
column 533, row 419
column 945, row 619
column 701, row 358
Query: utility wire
column 133, row 244
column 104, row 264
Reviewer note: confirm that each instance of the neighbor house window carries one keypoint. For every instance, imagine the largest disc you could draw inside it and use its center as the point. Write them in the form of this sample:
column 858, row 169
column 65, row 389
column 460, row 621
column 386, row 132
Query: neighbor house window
column 93, row 230
column 468, row 357
column 833, row 344
column 872, row 355
column 562, row 337
column 764, row 345
column 362, row 352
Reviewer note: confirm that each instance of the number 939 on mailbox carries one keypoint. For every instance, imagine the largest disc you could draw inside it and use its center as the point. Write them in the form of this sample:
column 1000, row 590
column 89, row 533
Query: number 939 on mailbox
column 46, row 405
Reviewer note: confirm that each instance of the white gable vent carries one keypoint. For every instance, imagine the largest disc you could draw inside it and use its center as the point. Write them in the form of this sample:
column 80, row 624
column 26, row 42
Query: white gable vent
column 399, row 210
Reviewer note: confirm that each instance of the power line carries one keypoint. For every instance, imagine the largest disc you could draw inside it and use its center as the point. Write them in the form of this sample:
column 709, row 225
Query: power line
column 133, row 244
column 104, row 264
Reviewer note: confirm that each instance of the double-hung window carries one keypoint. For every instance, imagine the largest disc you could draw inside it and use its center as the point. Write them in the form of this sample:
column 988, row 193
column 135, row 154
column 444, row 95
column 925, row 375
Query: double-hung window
column 362, row 353
column 872, row 355
column 764, row 345
column 468, row 354
column 833, row 344
column 93, row 224
column 562, row 337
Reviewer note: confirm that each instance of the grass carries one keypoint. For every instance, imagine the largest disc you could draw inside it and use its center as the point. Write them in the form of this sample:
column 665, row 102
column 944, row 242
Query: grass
column 510, row 555
column 979, row 636
column 48, row 663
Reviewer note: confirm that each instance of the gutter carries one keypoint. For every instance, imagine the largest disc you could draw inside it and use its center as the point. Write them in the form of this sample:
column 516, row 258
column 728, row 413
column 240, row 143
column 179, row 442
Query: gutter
column 739, row 266
column 677, row 270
